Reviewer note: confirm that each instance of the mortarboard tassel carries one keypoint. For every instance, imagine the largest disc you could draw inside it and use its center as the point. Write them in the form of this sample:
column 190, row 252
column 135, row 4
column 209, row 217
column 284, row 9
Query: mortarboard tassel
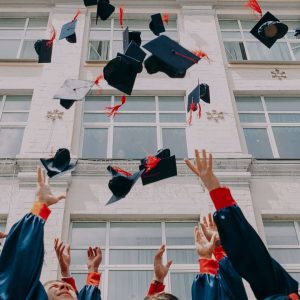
column 201, row 54
column 185, row 56
column 193, row 107
column 127, row 174
column 253, row 4
column 165, row 18
column 121, row 16
column 77, row 15
column 50, row 42
column 98, row 79
column 113, row 110
column 199, row 111
column 151, row 163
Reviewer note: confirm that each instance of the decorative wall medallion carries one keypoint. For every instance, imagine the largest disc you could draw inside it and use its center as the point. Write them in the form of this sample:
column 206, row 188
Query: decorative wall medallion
column 277, row 74
column 214, row 115
column 55, row 114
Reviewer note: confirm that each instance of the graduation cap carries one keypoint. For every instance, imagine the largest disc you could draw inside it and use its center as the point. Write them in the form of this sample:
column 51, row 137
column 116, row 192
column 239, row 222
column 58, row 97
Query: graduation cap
column 90, row 2
column 121, row 72
column 129, row 36
column 121, row 183
column 269, row 29
column 158, row 167
column 156, row 25
column 73, row 90
column 68, row 32
column 135, row 52
column 59, row 164
column 104, row 10
column 168, row 57
column 297, row 32
column 43, row 49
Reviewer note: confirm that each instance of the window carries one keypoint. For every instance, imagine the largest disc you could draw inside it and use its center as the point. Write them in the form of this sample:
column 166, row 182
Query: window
column 2, row 229
column 240, row 44
column 128, row 250
column 144, row 124
column 106, row 37
column 18, row 35
column 283, row 240
column 271, row 126
column 14, row 112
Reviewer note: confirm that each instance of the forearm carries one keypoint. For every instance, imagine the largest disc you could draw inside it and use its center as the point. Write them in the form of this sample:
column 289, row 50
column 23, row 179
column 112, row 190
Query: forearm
column 155, row 288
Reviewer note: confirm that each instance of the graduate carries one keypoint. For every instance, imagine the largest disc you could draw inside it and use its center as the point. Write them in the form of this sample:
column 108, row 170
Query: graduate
column 22, row 256
column 244, row 248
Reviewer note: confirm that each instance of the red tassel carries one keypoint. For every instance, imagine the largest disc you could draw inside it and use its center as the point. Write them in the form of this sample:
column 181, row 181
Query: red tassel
column 165, row 18
column 253, row 4
column 151, row 163
column 201, row 54
column 50, row 42
column 190, row 117
column 98, row 79
column 186, row 57
column 127, row 174
column 77, row 15
column 193, row 107
column 121, row 16
column 113, row 110
column 199, row 111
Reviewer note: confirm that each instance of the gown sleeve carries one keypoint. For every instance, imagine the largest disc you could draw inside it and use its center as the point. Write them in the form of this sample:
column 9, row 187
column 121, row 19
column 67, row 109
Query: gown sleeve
column 91, row 291
column 246, row 251
column 22, row 256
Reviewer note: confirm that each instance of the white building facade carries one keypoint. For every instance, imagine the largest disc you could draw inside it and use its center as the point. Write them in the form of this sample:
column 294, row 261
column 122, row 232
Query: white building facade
column 252, row 127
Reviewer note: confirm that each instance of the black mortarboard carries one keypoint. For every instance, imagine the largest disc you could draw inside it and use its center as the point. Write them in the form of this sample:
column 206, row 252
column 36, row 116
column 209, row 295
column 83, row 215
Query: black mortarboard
column 43, row 49
column 90, row 2
column 121, row 72
column 68, row 32
column 104, row 10
column 59, row 164
column 200, row 92
column 135, row 51
column 73, row 90
column 297, row 32
column 121, row 183
column 129, row 36
column 156, row 25
column 170, row 57
column 165, row 168
column 269, row 29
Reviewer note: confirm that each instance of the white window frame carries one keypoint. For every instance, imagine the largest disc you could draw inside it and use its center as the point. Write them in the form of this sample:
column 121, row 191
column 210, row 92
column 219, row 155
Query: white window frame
column 105, row 267
column 267, row 125
column 244, row 40
column 111, row 124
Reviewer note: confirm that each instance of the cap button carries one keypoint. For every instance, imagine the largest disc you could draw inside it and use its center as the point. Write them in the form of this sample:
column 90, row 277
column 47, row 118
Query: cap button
column 173, row 51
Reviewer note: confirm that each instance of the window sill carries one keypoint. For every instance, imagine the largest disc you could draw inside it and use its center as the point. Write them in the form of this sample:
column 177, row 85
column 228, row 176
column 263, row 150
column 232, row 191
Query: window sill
column 96, row 63
column 237, row 63
column 15, row 61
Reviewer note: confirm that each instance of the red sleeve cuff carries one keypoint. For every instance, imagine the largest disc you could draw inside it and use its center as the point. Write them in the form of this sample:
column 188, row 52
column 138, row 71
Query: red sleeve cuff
column 294, row 296
column 208, row 266
column 155, row 288
column 71, row 281
column 41, row 210
column 222, row 198
column 93, row 278
column 219, row 253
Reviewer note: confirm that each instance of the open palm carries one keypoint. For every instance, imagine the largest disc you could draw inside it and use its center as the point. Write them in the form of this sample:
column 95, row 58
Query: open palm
column 209, row 228
column 204, row 247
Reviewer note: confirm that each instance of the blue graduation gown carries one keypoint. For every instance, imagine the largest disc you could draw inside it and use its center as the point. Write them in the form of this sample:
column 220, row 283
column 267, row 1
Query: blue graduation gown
column 247, row 252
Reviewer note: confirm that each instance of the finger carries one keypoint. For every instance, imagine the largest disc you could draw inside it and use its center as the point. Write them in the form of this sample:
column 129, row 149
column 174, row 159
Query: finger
column 68, row 249
column 196, row 234
column 61, row 197
column 39, row 175
column 55, row 243
column 191, row 167
column 98, row 251
column 198, row 160
column 204, row 159
column 169, row 263
column 204, row 229
column 90, row 251
column 201, row 234
column 209, row 162
column 210, row 220
column 205, row 221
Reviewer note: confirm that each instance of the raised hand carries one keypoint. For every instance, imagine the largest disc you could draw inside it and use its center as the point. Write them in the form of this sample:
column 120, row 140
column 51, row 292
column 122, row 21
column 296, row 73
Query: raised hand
column 94, row 259
column 209, row 228
column 63, row 254
column 161, row 270
column 44, row 193
column 204, row 247
column 2, row 235
column 203, row 169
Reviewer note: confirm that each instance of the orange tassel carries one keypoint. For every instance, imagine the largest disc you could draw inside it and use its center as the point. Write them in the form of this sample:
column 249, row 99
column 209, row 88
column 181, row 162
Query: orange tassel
column 113, row 110
column 98, row 79
column 253, row 4
column 77, row 15
column 165, row 18
column 201, row 54
column 199, row 111
column 121, row 16
column 50, row 42
column 127, row 174
column 193, row 107
column 151, row 163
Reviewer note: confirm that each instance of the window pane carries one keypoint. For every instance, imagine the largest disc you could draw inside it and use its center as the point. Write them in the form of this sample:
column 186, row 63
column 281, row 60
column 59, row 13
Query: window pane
column 252, row 118
column 296, row 50
column 183, row 256
column 180, row 233
column 117, row 47
column 285, row 118
column 12, row 22
column 181, row 284
column 138, row 103
column 10, row 141
column 258, row 142
column 280, row 233
column 235, row 51
column 172, row 118
column 38, row 22
column 248, row 24
column 175, row 139
column 92, row 118
column 295, row 275
column 249, row 103
column 132, row 118
column 99, row 50
column 282, row 103
column 9, row 48
column 96, row 103
column 101, row 23
column 18, row 103
column 231, row 35
column 28, row 51
column 286, row 256
column 11, row 34
column 2, row 227
column 174, row 103
column 128, row 257
column 14, row 117
column 229, row 24
column 135, row 234
column 287, row 141
column 134, row 142
column 86, row 234
column 278, row 52
column 131, row 285
column 95, row 143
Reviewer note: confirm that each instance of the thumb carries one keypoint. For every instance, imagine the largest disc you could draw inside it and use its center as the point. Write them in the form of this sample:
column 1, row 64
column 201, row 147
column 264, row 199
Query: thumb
column 61, row 197
column 169, row 263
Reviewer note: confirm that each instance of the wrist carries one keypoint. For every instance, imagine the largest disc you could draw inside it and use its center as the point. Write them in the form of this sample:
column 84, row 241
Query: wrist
column 211, row 187
column 205, row 256
column 158, row 279
column 93, row 270
column 65, row 273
